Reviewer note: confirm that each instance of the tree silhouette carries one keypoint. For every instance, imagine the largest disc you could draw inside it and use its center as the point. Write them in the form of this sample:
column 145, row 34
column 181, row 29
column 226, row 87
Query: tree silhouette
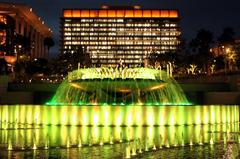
column 3, row 66
column 200, row 45
column 227, row 36
column 48, row 41
column 24, row 42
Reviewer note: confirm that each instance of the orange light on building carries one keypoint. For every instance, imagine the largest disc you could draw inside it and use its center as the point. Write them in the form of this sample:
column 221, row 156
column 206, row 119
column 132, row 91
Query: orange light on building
column 129, row 13
column 147, row 13
column 10, row 59
column 137, row 13
column 75, row 13
column 164, row 13
column 120, row 13
column 102, row 13
column 85, row 13
column 111, row 13
column 93, row 13
column 173, row 14
column 156, row 13
column 67, row 13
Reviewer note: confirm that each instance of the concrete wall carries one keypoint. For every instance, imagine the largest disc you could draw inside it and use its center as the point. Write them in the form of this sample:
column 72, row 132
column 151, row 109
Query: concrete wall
column 233, row 81
column 7, row 97
column 198, row 92
column 16, row 98
column 221, row 98
column 3, row 84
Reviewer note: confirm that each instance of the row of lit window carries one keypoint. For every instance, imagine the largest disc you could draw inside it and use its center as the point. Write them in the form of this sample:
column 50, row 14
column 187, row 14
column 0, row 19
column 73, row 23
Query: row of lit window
column 120, row 43
column 122, row 28
column 123, row 33
column 118, row 20
column 105, row 38
column 118, row 24
column 102, row 20
column 129, row 50
column 120, row 39
column 118, row 29
column 121, row 54
column 146, row 43
column 117, row 61
column 117, row 56
column 113, row 20
column 140, row 30
column 133, row 49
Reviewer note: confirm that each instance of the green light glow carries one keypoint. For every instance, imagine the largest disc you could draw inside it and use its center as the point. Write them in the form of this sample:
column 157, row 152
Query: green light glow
column 70, row 136
column 119, row 115
column 107, row 108
column 118, row 86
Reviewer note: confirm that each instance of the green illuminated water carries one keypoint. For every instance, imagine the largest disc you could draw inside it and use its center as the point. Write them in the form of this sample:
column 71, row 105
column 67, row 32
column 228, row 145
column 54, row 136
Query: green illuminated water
column 112, row 142
column 119, row 86
column 117, row 113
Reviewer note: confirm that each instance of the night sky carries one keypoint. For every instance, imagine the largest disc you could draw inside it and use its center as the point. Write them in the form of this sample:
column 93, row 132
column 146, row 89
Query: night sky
column 213, row 15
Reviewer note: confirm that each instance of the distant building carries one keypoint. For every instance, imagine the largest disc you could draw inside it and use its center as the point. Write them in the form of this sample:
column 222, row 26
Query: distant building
column 120, row 35
column 19, row 26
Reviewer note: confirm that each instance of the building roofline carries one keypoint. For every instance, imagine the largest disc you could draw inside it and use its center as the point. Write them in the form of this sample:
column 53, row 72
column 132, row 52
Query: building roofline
column 119, row 13
column 28, row 13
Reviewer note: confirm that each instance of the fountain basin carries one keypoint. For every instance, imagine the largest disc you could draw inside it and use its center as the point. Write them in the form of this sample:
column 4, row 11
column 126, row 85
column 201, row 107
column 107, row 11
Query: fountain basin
column 119, row 85
column 119, row 115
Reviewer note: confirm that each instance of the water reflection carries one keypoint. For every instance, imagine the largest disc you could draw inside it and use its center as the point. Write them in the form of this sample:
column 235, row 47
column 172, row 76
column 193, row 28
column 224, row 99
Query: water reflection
column 134, row 139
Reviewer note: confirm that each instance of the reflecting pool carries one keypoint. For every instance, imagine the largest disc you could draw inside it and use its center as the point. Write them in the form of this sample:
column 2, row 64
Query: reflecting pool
column 183, row 141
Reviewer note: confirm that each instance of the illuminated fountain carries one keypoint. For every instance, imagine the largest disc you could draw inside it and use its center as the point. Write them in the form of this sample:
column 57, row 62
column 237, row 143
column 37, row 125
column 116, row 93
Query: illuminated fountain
column 119, row 86
column 142, row 108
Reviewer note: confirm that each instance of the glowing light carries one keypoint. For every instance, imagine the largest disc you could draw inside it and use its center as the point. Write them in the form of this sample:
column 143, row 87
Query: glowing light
column 118, row 121
column 104, row 13
column 129, row 119
column 106, row 118
column 84, row 120
column 95, row 119
column 77, row 86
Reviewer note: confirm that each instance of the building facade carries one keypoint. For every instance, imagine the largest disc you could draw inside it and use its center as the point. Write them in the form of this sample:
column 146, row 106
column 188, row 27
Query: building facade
column 120, row 35
column 21, row 27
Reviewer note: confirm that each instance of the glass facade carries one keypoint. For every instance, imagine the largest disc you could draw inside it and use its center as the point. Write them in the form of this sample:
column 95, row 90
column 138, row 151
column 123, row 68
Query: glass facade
column 114, row 37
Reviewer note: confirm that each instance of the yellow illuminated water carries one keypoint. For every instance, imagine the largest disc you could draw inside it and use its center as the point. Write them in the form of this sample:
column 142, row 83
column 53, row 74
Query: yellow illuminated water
column 119, row 115
column 34, row 126
column 27, row 137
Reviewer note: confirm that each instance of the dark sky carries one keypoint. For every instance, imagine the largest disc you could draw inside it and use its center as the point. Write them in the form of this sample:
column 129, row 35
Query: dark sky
column 213, row 15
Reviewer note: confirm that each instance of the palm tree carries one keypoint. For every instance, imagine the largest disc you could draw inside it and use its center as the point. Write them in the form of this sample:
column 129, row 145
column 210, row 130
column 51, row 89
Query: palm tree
column 48, row 42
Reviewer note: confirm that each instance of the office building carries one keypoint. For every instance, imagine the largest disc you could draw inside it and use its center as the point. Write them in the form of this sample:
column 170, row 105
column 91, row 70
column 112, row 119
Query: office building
column 22, row 32
column 120, row 35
